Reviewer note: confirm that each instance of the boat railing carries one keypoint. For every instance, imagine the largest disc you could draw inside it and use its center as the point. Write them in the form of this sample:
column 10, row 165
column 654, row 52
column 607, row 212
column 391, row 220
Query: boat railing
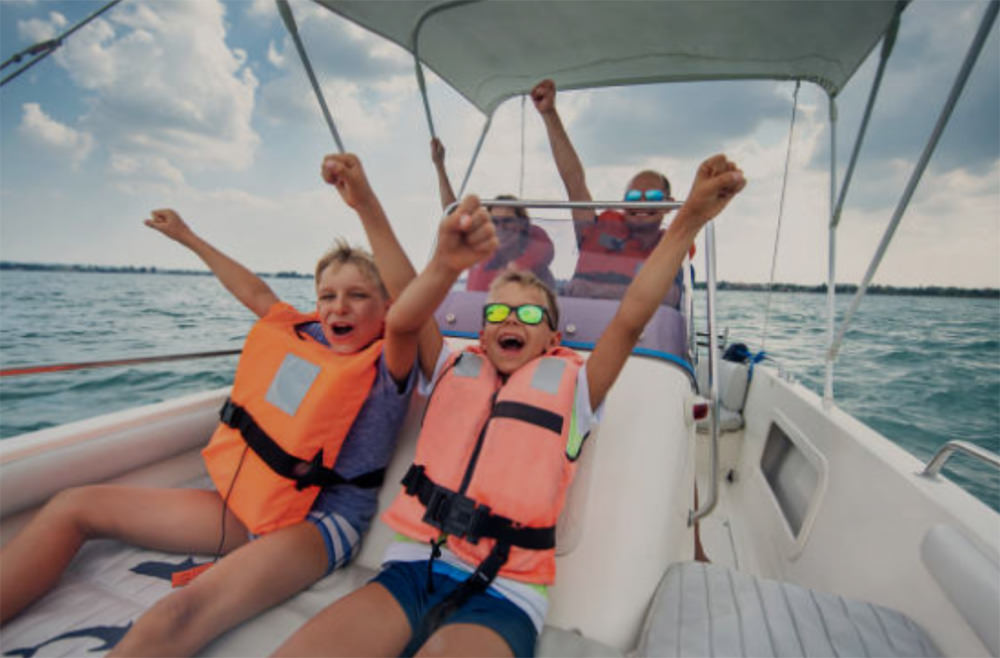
column 950, row 448
column 708, row 504
column 110, row 363
column 571, row 205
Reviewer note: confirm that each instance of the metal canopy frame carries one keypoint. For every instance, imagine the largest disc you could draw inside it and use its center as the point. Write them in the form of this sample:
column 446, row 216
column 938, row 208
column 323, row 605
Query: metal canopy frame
column 836, row 200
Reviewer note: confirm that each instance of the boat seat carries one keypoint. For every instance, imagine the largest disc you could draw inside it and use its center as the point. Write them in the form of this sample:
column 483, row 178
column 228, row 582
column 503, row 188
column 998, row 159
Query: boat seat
column 708, row 610
column 110, row 584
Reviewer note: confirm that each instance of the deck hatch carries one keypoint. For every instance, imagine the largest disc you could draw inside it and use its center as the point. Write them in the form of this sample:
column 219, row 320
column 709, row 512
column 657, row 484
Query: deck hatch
column 793, row 479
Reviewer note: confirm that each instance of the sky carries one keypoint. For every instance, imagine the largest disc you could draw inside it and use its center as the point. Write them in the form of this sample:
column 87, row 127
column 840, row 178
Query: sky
column 203, row 106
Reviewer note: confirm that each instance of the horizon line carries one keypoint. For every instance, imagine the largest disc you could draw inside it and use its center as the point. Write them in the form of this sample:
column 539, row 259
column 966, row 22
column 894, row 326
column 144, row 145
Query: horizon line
column 777, row 286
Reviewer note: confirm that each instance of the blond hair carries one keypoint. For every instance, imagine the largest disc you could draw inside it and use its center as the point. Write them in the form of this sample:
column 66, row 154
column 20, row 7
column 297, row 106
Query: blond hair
column 529, row 279
column 343, row 253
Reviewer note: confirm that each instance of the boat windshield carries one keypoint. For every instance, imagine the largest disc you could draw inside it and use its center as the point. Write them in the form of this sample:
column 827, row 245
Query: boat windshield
column 589, row 264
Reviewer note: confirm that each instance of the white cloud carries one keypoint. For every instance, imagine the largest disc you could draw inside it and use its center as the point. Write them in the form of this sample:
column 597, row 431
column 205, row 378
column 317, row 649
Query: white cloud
column 164, row 84
column 261, row 8
column 277, row 59
column 361, row 74
column 36, row 29
column 148, row 167
column 57, row 137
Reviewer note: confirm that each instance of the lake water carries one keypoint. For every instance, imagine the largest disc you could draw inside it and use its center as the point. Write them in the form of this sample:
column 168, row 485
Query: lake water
column 920, row 370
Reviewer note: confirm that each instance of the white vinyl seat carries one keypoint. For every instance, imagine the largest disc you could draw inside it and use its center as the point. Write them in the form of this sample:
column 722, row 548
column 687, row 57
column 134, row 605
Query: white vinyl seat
column 708, row 610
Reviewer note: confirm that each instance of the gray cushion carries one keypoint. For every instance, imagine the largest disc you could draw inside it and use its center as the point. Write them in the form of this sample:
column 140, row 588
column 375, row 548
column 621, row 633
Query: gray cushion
column 708, row 610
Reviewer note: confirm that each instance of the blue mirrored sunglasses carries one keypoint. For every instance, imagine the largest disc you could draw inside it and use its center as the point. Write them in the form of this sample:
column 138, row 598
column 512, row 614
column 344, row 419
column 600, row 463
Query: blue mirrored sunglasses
column 650, row 195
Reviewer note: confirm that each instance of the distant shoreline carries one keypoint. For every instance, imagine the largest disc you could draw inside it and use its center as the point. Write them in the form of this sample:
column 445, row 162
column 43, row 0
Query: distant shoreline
column 129, row 269
column 842, row 288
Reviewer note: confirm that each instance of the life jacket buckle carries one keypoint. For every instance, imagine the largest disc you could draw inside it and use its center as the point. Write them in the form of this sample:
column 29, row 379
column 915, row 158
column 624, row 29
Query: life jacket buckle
column 455, row 514
column 229, row 412
column 411, row 481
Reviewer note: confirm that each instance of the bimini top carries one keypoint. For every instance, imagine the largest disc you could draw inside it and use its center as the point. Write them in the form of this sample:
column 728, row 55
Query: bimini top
column 490, row 50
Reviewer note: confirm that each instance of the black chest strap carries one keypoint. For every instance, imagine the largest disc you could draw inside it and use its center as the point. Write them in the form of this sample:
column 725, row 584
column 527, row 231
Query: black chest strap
column 303, row 473
column 460, row 516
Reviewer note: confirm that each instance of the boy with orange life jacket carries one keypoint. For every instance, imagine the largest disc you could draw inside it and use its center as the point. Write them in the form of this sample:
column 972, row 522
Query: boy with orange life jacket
column 504, row 425
column 297, row 458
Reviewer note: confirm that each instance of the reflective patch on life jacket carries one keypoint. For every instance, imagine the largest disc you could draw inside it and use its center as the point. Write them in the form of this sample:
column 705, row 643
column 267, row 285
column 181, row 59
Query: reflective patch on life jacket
column 468, row 365
column 548, row 375
column 291, row 383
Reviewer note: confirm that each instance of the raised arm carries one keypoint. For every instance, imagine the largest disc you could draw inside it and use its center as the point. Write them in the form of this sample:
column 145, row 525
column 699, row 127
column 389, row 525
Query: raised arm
column 567, row 161
column 465, row 237
column 444, row 185
column 244, row 285
column 716, row 182
column 345, row 172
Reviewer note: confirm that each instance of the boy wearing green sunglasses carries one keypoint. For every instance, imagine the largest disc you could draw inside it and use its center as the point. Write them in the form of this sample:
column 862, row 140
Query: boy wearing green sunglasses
column 480, row 607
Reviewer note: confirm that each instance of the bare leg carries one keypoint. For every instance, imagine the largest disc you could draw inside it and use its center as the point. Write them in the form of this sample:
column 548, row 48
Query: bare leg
column 465, row 640
column 246, row 582
column 366, row 622
column 177, row 520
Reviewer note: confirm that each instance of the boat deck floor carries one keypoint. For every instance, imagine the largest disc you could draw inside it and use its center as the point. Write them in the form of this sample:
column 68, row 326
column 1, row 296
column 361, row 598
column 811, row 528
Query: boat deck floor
column 719, row 531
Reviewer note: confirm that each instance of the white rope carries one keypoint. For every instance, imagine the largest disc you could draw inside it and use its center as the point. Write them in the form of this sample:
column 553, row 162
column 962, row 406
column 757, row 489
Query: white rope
column 781, row 212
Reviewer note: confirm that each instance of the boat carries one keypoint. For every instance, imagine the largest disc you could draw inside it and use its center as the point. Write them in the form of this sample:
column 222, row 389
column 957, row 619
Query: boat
column 824, row 537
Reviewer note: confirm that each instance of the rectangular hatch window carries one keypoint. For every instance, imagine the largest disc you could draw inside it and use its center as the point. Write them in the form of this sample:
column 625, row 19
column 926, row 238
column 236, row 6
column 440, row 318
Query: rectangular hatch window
column 792, row 478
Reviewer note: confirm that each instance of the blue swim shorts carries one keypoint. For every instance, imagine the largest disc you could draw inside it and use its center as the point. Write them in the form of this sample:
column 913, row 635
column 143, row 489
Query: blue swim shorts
column 407, row 582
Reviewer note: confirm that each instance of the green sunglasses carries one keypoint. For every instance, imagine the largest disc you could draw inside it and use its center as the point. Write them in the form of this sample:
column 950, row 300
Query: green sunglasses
column 530, row 314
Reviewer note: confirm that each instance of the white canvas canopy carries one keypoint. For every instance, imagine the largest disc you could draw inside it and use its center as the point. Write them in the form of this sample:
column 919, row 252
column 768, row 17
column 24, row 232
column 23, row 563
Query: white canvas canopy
column 490, row 51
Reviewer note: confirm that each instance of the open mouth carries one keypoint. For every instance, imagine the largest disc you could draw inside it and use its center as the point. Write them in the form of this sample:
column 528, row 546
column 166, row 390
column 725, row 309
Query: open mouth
column 510, row 343
column 342, row 328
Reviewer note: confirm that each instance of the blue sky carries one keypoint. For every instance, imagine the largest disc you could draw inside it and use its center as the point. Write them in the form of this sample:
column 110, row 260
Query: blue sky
column 203, row 106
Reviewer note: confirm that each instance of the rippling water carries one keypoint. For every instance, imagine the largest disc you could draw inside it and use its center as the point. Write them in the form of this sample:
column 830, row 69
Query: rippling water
column 920, row 370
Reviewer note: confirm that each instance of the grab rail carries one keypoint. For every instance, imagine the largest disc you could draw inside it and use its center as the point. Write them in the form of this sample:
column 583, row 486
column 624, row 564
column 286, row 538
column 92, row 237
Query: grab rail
column 57, row 367
column 708, row 504
column 591, row 205
column 947, row 450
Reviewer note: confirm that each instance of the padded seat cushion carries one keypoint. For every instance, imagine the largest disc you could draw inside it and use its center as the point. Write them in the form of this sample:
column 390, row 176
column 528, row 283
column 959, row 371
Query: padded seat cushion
column 708, row 610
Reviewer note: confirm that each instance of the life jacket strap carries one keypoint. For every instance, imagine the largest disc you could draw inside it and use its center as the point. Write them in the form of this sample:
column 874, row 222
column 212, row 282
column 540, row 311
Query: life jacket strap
column 460, row 516
column 477, row 583
column 304, row 473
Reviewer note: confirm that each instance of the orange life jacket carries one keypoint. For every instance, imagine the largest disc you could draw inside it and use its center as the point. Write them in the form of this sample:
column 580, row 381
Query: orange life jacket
column 491, row 468
column 292, row 404
column 609, row 253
